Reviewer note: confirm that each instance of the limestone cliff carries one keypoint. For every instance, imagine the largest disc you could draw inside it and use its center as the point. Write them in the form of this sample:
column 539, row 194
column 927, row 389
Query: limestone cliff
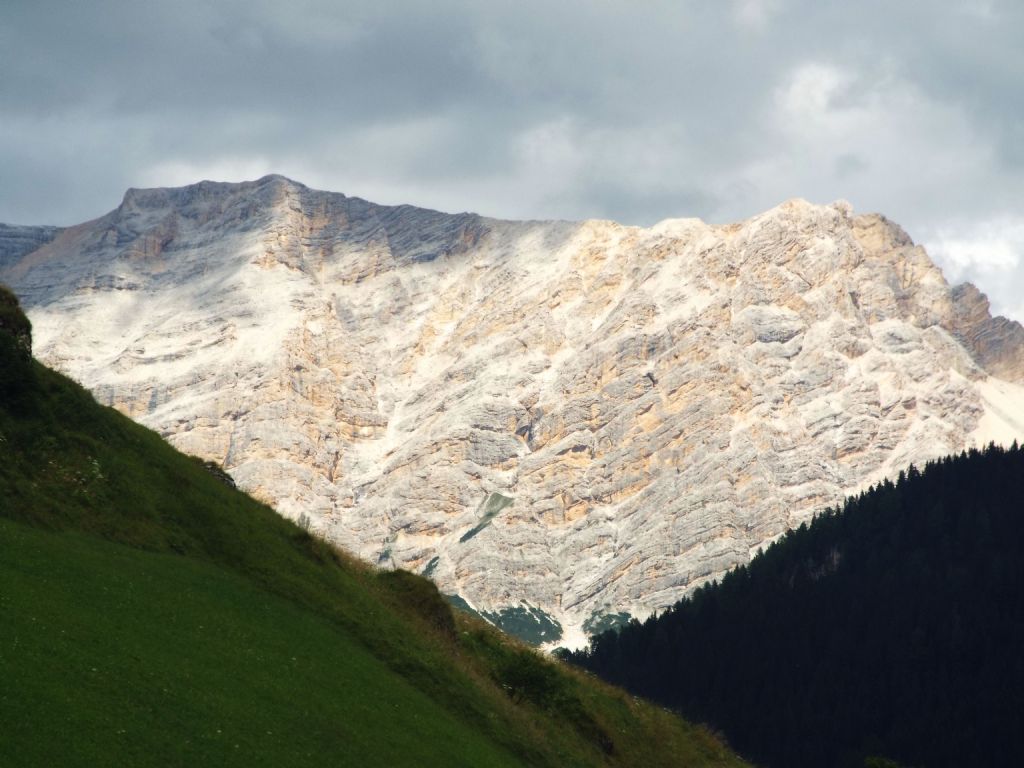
column 557, row 421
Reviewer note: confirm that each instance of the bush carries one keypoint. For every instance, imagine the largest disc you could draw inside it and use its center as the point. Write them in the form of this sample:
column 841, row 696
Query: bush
column 16, row 372
column 215, row 469
column 421, row 596
column 14, row 323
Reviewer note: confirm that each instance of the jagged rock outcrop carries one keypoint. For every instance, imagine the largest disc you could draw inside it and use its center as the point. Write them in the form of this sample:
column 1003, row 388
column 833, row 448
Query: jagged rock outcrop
column 557, row 421
column 995, row 342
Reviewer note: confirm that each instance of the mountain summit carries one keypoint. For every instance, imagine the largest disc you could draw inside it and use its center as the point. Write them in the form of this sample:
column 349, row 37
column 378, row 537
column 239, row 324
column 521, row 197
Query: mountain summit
column 559, row 422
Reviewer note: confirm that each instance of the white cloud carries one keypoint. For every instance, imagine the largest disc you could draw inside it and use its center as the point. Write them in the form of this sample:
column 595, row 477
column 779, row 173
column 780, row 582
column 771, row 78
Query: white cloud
column 176, row 173
column 806, row 102
column 988, row 247
column 988, row 254
column 630, row 111
column 755, row 13
column 870, row 136
column 980, row 9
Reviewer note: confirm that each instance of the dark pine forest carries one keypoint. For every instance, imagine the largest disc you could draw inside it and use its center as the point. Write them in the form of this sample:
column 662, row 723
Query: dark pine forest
column 892, row 628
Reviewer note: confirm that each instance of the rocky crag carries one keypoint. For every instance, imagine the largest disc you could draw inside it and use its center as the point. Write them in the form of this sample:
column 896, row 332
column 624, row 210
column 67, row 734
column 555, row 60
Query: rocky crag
column 561, row 423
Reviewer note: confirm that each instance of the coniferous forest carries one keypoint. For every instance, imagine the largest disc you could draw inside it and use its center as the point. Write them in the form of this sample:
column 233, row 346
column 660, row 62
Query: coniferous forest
column 893, row 628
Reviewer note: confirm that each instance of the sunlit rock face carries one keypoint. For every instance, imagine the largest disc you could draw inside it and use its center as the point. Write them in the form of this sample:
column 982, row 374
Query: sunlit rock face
column 556, row 420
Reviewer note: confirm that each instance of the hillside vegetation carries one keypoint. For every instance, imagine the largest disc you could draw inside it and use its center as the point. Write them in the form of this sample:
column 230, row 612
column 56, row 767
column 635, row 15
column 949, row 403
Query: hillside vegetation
column 151, row 614
column 892, row 627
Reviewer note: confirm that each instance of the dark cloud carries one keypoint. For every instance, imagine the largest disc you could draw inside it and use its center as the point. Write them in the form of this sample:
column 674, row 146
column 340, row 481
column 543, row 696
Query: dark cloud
column 631, row 111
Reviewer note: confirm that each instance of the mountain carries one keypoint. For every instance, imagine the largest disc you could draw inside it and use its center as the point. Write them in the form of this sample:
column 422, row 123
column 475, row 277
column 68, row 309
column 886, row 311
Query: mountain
column 16, row 241
column 891, row 627
column 153, row 615
column 562, row 424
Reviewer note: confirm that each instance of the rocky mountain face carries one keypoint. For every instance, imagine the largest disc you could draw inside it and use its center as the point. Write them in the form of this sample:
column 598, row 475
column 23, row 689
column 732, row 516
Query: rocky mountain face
column 16, row 241
column 560, row 423
column 995, row 342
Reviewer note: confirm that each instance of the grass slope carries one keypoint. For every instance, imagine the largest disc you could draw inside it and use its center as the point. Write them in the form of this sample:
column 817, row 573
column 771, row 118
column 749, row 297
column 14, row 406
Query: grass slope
column 151, row 614
column 114, row 656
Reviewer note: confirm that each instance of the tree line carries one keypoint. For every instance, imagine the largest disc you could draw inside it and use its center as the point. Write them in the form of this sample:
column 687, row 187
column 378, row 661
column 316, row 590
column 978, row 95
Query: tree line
column 890, row 628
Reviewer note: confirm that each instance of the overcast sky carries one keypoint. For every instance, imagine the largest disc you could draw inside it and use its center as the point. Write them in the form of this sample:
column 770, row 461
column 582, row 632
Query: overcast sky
column 634, row 110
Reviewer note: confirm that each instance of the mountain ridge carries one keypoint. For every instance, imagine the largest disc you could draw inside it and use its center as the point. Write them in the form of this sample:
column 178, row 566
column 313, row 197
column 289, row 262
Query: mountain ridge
column 658, row 403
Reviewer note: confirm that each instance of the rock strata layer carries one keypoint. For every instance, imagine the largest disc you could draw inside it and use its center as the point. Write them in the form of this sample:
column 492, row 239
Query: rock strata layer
column 17, row 241
column 559, row 422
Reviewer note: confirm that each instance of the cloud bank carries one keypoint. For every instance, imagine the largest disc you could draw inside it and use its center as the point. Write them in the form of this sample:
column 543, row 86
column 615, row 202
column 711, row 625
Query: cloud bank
column 629, row 111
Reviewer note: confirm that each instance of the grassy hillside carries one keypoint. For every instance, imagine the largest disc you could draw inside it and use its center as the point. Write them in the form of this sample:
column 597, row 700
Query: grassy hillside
column 892, row 627
column 150, row 614
column 113, row 656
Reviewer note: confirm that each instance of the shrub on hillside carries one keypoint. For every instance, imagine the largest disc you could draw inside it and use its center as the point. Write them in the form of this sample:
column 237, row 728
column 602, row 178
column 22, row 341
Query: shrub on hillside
column 15, row 346
column 421, row 596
